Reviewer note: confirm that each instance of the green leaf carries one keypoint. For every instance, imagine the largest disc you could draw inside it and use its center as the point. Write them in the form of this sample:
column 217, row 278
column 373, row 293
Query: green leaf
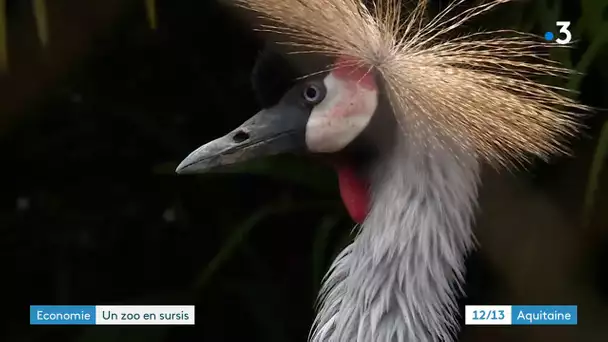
column 151, row 13
column 591, row 17
column 597, row 166
column 3, row 38
column 594, row 49
column 242, row 231
column 42, row 23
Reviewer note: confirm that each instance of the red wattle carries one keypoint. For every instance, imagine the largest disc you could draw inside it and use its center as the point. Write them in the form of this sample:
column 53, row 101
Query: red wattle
column 354, row 192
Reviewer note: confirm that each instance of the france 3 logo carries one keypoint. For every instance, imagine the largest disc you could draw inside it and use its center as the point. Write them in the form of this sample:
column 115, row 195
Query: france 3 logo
column 564, row 35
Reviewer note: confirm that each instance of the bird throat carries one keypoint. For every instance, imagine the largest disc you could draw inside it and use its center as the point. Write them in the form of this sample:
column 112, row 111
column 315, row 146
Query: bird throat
column 354, row 190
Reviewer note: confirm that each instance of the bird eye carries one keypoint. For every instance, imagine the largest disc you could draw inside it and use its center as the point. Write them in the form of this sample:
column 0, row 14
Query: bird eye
column 313, row 94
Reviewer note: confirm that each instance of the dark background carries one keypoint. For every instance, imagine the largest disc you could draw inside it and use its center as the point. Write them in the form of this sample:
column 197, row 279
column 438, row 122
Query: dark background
column 93, row 124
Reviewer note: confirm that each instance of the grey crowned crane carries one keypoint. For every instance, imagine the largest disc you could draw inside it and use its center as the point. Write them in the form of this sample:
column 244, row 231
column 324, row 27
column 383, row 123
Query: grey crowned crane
column 408, row 114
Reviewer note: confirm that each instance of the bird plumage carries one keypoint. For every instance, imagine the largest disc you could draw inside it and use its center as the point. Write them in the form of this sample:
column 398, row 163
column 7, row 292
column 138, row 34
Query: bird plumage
column 399, row 279
column 457, row 102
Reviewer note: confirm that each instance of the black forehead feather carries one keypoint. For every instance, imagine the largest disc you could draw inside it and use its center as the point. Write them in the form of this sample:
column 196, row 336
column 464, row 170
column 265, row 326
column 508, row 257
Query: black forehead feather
column 271, row 77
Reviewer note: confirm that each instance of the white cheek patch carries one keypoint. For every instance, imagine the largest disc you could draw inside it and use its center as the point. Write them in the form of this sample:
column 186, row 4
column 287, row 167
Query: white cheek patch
column 343, row 114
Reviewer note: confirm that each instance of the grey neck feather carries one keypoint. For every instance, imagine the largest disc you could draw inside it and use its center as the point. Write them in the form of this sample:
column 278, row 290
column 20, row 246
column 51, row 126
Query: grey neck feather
column 398, row 281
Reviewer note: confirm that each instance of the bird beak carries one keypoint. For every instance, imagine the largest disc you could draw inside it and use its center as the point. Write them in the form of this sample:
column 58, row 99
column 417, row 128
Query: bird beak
column 271, row 131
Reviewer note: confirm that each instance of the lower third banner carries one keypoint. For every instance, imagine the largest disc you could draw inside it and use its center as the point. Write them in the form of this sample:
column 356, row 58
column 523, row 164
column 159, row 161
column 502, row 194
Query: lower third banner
column 112, row 315
column 521, row 315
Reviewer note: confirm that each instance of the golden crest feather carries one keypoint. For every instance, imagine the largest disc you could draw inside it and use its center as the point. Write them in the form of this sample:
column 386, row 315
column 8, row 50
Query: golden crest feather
column 475, row 92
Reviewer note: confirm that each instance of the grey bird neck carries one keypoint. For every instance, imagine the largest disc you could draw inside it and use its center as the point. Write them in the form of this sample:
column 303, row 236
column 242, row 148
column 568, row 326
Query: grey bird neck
column 398, row 281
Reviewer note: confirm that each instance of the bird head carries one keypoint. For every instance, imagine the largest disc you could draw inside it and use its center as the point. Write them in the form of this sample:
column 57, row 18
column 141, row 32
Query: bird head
column 470, row 97
column 331, row 115
column 453, row 102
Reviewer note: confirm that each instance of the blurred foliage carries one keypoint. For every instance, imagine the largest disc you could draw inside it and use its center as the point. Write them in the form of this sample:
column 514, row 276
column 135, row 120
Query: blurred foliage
column 595, row 173
column 3, row 37
column 241, row 231
column 591, row 27
column 593, row 23
column 42, row 21
column 151, row 12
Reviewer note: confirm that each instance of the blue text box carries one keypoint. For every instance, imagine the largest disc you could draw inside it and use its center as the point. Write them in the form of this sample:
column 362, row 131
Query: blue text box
column 544, row 315
column 62, row 314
